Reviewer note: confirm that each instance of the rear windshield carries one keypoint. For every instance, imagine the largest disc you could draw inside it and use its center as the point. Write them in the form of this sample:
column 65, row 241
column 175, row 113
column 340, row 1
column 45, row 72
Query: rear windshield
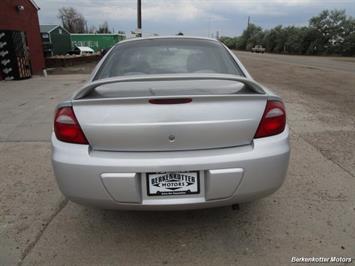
column 167, row 56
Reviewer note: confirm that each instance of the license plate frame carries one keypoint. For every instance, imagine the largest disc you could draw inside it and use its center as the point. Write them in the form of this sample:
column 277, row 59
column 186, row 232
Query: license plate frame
column 159, row 187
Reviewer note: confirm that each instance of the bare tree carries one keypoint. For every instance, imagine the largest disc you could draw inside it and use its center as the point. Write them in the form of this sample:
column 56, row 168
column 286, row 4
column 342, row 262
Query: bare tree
column 103, row 28
column 72, row 20
column 92, row 29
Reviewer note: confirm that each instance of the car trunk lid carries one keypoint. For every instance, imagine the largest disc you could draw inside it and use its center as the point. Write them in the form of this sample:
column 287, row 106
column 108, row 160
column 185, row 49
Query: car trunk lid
column 169, row 116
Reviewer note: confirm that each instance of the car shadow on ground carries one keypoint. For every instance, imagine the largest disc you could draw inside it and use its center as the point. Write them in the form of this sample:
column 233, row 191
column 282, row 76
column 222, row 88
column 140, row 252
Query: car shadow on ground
column 161, row 217
column 183, row 226
column 204, row 237
column 206, row 230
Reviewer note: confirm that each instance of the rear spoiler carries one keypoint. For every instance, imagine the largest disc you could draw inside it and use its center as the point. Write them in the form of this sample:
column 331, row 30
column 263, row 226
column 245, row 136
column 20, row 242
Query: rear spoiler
column 91, row 86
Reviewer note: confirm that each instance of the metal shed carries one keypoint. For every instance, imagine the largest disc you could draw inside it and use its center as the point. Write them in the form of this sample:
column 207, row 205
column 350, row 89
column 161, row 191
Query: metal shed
column 55, row 40
column 96, row 41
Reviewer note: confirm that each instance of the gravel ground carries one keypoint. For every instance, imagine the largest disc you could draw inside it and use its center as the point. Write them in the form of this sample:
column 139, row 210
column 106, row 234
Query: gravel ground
column 311, row 215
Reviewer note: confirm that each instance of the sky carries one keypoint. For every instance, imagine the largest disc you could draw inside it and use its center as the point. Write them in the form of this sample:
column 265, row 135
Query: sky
column 193, row 17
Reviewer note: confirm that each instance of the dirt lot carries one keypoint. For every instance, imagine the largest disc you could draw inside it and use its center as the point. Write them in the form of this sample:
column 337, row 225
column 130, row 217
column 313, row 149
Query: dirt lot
column 311, row 215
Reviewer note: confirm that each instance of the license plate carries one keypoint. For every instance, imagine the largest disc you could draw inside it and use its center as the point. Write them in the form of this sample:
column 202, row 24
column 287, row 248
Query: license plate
column 165, row 184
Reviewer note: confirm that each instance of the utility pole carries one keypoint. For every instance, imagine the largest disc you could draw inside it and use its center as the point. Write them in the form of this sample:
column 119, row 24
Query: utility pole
column 139, row 19
column 248, row 21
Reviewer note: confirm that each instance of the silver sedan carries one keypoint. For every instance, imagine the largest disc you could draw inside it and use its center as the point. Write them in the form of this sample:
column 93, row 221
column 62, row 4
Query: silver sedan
column 170, row 123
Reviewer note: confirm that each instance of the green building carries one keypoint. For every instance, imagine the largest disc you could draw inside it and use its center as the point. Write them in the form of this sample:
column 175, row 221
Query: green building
column 96, row 41
column 55, row 40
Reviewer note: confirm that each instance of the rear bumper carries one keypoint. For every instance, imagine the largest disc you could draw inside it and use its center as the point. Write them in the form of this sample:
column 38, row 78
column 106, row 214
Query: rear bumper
column 116, row 180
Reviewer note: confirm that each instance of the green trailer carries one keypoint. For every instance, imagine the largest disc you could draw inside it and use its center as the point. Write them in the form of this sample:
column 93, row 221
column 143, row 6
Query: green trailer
column 96, row 41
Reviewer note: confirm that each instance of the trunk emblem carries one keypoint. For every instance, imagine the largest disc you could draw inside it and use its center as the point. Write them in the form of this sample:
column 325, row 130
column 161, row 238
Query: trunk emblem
column 172, row 138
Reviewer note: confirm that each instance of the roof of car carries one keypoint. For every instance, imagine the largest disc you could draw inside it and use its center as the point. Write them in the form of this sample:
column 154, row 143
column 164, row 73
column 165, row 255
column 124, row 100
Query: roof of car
column 169, row 37
column 85, row 48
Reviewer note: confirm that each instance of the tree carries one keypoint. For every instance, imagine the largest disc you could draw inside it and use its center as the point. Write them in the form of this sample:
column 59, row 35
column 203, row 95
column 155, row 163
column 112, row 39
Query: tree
column 228, row 41
column 349, row 39
column 72, row 20
column 255, row 39
column 331, row 29
column 274, row 40
column 296, row 40
column 331, row 32
column 247, row 38
column 92, row 29
column 103, row 28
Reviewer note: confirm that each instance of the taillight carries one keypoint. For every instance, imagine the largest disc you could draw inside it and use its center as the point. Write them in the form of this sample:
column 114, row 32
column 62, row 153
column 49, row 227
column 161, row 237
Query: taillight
column 273, row 121
column 170, row 101
column 67, row 128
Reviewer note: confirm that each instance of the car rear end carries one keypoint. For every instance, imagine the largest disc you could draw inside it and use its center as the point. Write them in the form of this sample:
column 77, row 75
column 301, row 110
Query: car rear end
column 167, row 142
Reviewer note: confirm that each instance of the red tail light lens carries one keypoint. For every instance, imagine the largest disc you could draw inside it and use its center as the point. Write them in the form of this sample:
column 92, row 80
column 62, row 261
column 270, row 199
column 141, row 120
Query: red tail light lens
column 273, row 121
column 67, row 128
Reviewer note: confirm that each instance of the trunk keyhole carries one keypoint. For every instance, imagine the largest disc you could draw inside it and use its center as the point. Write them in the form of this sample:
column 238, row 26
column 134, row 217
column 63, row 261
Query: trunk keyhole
column 172, row 138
